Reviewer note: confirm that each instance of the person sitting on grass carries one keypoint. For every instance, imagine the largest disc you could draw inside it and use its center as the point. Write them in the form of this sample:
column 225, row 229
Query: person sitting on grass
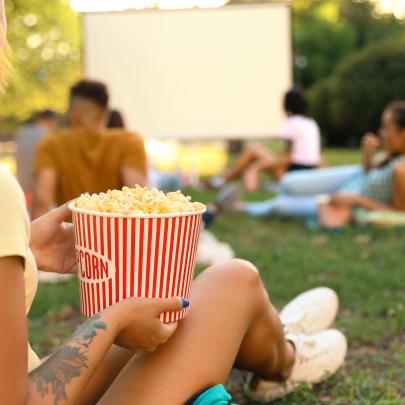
column 302, row 150
column 125, row 355
column 86, row 157
column 331, row 194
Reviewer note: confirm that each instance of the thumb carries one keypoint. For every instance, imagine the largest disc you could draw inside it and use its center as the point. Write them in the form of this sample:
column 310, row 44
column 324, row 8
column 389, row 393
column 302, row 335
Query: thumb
column 170, row 304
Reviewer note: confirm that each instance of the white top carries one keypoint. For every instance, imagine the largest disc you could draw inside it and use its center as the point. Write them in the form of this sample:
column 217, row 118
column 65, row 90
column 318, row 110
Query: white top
column 305, row 136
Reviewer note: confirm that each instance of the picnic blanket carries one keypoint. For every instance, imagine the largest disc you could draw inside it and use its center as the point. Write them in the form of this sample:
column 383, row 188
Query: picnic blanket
column 386, row 219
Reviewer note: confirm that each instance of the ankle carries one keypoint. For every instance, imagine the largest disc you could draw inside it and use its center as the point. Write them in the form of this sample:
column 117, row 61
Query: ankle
column 289, row 361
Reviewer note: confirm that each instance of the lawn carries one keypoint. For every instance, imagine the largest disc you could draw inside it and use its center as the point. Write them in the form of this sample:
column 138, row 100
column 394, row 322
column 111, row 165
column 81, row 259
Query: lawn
column 365, row 267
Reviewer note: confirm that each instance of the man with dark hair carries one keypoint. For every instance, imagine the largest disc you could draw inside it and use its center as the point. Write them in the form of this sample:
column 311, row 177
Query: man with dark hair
column 302, row 148
column 86, row 157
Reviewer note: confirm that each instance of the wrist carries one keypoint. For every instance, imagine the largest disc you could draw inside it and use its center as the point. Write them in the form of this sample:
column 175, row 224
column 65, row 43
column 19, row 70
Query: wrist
column 113, row 318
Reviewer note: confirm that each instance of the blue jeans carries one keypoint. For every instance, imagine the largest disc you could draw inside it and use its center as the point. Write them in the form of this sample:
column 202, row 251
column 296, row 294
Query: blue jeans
column 298, row 192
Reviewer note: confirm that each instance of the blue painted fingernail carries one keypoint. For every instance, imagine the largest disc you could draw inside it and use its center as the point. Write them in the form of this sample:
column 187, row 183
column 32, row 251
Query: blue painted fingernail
column 186, row 302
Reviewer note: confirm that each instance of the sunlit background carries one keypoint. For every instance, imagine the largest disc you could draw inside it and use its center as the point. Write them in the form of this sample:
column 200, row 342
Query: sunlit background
column 120, row 5
column 396, row 7
column 47, row 41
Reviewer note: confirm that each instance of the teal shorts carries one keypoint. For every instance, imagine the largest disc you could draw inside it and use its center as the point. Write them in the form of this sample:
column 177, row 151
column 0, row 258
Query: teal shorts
column 211, row 396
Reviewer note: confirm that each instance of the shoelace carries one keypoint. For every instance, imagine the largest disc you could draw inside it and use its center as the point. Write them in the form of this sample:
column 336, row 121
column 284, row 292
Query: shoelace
column 302, row 317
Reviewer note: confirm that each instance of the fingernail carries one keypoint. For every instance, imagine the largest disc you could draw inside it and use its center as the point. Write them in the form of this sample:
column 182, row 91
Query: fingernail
column 186, row 302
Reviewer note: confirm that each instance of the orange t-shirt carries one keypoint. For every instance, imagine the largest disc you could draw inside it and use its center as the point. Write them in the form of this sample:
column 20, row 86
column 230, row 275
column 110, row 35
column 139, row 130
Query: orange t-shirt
column 89, row 162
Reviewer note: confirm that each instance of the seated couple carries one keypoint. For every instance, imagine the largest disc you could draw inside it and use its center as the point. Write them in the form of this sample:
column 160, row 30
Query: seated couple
column 125, row 355
column 331, row 194
column 302, row 139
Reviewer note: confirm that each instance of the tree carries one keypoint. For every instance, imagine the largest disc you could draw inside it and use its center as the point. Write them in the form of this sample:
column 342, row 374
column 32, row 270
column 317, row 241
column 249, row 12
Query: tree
column 351, row 101
column 46, row 40
column 327, row 31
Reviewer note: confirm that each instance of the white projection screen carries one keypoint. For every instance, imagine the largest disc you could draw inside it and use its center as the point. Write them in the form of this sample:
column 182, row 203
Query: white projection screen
column 194, row 74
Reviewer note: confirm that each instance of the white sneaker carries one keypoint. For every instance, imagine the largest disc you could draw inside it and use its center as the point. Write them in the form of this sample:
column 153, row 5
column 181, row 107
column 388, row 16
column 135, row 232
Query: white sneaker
column 310, row 312
column 317, row 357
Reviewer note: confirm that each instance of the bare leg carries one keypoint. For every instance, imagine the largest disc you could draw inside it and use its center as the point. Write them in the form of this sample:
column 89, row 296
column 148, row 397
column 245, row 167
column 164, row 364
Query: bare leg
column 113, row 363
column 248, row 156
column 275, row 167
column 231, row 322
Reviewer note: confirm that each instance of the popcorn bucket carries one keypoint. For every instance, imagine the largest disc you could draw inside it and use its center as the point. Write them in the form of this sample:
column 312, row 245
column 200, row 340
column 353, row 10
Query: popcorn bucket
column 121, row 256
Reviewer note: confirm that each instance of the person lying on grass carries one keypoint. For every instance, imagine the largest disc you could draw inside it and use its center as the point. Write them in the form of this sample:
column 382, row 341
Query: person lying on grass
column 331, row 194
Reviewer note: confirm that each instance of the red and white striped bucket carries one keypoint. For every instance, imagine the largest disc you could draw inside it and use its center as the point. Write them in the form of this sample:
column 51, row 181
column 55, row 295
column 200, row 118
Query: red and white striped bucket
column 150, row 256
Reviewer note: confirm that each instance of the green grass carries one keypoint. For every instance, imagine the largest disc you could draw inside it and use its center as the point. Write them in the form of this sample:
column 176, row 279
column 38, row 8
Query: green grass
column 366, row 268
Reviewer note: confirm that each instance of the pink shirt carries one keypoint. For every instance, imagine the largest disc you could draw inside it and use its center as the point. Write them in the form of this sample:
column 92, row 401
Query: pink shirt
column 305, row 136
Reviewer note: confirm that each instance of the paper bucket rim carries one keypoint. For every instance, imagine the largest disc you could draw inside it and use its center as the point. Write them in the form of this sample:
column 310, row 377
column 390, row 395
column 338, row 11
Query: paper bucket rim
column 118, row 215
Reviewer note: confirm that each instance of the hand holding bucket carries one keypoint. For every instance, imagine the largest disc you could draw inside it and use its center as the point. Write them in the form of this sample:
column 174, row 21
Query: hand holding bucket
column 141, row 255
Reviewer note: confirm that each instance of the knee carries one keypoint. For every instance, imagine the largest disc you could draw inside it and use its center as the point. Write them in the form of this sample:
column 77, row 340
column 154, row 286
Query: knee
column 289, row 184
column 236, row 274
column 244, row 273
column 252, row 148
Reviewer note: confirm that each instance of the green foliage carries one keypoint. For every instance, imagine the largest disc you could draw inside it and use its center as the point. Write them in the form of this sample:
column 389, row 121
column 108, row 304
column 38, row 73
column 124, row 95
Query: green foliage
column 327, row 31
column 45, row 38
column 351, row 101
column 320, row 40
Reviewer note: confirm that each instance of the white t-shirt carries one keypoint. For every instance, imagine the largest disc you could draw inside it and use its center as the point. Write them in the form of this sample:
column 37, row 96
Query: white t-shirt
column 305, row 136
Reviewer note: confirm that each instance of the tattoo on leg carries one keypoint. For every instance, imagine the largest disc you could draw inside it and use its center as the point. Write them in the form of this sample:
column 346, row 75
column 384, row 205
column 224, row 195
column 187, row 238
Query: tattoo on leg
column 66, row 364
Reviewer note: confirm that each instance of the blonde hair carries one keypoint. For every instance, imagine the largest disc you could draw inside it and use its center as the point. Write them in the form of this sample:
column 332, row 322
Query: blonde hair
column 5, row 56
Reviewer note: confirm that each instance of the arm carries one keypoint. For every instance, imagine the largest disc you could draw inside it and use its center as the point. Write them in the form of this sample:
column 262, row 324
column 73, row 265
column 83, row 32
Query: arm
column 287, row 147
column 354, row 200
column 134, row 161
column 337, row 212
column 61, row 379
column 398, row 197
column 133, row 323
column 44, row 192
column 45, row 169
column 369, row 145
column 13, row 335
column 398, row 186
column 132, row 176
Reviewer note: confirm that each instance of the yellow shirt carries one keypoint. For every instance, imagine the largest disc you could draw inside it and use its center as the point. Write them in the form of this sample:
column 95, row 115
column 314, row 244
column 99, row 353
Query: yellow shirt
column 89, row 162
column 14, row 240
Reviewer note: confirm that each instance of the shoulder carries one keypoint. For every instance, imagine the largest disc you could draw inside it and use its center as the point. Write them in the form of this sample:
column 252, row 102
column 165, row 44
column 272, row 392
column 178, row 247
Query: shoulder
column 124, row 137
column 308, row 123
column 59, row 139
column 121, row 133
column 8, row 182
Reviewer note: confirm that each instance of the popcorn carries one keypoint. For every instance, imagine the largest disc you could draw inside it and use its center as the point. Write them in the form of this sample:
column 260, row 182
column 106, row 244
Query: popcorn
column 138, row 200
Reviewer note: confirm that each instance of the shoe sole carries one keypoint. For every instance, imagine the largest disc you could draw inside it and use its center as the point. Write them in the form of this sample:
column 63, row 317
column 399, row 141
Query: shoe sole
column 295, row 385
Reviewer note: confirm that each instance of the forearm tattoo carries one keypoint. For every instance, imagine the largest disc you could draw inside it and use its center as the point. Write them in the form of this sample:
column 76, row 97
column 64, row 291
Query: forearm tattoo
column 67, row 363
